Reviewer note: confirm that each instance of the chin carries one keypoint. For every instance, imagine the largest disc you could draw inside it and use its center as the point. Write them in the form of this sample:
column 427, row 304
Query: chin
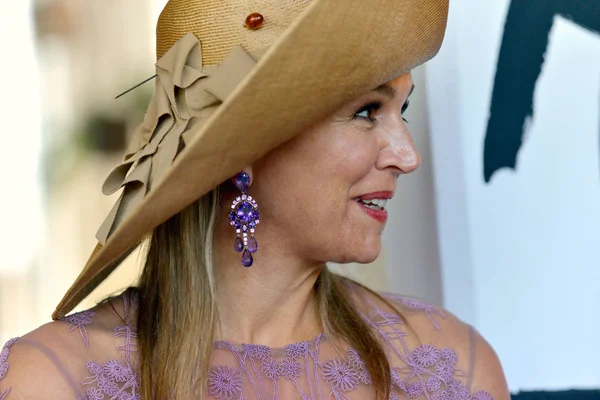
column 367, row 258
column 369, row 251
column 360, row 255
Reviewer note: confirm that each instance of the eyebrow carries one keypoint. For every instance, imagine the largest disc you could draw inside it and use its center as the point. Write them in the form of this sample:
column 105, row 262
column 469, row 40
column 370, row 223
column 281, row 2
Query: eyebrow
column 389, row 91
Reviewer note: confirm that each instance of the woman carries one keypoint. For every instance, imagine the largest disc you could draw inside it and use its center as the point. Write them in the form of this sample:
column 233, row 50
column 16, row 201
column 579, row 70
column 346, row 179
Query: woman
column 306, row 116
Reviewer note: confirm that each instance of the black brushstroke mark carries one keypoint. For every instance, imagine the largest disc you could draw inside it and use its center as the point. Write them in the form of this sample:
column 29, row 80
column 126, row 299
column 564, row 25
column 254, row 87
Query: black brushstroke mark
column 520, row 61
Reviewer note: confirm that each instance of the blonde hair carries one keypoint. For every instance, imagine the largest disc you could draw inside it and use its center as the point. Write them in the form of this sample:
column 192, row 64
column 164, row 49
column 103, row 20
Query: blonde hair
column 177, row 307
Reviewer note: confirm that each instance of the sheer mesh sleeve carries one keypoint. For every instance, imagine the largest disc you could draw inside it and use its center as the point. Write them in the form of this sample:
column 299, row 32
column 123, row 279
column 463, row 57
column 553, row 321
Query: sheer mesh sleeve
column 32, row 369
column 4, row 366
column 87, row 355
column 431, row 352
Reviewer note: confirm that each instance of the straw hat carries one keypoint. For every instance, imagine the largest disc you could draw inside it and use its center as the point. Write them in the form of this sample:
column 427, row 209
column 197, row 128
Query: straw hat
column 237, row 78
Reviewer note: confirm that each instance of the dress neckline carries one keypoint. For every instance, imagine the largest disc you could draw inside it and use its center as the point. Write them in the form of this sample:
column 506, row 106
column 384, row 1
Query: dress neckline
column 250, row 347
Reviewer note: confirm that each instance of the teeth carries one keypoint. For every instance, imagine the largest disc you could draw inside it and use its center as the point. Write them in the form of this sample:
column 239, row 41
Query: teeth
column 375, row 204
column 380, row 202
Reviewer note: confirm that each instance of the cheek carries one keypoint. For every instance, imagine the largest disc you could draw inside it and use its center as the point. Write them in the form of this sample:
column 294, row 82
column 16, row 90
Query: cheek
column 306, row 187
column 321, row 163
column 356, row 160
column 343, row 160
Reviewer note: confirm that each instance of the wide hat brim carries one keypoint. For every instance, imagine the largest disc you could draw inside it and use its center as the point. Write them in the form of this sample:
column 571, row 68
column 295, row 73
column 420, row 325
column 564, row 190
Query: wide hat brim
column 334, row 52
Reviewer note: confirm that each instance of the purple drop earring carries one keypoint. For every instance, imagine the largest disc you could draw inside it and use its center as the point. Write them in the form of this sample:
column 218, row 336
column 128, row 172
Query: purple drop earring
column 244, row 216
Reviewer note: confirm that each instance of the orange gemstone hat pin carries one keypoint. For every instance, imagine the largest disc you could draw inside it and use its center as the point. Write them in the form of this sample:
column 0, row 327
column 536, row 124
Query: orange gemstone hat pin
column 254, row 21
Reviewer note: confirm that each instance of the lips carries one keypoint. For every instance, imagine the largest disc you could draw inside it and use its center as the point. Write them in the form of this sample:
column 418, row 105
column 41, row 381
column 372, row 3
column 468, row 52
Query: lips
column 374, row 204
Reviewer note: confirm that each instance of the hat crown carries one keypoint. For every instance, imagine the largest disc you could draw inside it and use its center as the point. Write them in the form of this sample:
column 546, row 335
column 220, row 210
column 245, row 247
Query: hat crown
column 219, row 24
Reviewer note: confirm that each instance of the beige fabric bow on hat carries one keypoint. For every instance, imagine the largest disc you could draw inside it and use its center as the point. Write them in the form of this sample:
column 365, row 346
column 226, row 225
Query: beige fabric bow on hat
column 186, row 94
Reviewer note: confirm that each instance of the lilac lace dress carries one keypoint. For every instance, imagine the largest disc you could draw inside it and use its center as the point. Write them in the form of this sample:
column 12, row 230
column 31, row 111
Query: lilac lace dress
column 95, row 365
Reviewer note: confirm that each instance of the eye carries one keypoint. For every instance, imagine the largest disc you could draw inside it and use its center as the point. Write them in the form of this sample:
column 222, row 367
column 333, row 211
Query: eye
column 404, row 108
column 366, row 112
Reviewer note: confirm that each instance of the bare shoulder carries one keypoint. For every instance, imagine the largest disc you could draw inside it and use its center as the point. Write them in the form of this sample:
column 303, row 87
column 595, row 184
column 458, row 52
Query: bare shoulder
column 427, row 327
column 50, row 362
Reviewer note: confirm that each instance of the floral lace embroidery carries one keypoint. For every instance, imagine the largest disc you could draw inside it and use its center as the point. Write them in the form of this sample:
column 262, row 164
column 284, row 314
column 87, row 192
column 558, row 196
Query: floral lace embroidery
column 271, row 369
column 4, row 365
column 225, row 383
column 79, row 321
column 427, row 371
column 482, row 395
column 340, row 375
column 290, row 369
column 432, row 372
column 126, row 331
column 256, row 359
column 258, row 351
column 116, row 378
column 359, row 365
column 429, row 310
column 297, row 350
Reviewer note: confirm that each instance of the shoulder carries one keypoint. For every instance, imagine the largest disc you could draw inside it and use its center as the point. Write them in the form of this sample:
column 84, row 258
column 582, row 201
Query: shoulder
column 424, row 336
column 37, row 364
column 51, row 361
column 443, row 330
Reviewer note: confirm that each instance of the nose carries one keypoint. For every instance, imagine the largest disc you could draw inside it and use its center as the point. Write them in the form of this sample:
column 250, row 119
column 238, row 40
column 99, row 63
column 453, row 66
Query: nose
column 398, row 151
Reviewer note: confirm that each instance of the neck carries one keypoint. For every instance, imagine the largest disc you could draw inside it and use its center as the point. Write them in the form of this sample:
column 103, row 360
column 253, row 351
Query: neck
column 271, row 303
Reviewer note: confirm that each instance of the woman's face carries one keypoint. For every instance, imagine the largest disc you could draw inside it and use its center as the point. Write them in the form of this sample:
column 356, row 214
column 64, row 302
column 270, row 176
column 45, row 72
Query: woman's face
column 321, row 194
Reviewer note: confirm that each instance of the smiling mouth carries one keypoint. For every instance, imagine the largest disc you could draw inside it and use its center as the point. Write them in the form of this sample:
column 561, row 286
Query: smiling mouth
column 374, row 204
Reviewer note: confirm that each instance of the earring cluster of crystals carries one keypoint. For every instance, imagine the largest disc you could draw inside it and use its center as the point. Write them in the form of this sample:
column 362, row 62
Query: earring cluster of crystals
column 244, row 216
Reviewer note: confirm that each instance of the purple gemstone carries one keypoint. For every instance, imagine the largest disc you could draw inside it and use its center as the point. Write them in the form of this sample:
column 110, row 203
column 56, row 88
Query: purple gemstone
column 256, row 214
column 242, row 181
column 252, row 224
column 238, row 225
column 252, row 245
column 232, row 216
column 245, row 212
column 247, row 258
column 238, row 245
column 245, row 228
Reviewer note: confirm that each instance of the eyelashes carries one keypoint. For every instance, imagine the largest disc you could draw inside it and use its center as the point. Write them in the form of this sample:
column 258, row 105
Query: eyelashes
column 367, row 111
column 404, row 108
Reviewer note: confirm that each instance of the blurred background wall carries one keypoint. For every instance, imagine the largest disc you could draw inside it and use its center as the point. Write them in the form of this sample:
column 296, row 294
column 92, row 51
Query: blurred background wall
column 514, row 111
column 514, row 255
column 64, row 63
